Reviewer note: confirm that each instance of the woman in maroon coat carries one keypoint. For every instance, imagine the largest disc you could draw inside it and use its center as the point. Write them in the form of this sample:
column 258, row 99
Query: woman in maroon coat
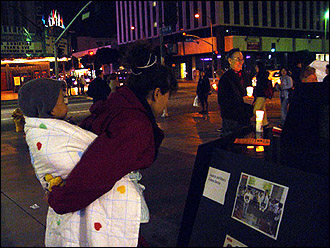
column 128, row 135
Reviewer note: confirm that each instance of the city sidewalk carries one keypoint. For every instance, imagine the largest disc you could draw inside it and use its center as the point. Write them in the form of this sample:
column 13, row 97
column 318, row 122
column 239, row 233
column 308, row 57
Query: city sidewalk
column 8, row 95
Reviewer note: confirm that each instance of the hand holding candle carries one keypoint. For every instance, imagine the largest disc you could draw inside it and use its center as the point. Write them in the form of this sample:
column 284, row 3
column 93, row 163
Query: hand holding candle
column 248, row 99
column 249, row 91
column 259, row 118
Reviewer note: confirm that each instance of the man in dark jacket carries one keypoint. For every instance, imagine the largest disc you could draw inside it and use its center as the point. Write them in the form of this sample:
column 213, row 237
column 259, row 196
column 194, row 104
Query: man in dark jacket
column 98, row 89
column 203, row 91
column 236, row 107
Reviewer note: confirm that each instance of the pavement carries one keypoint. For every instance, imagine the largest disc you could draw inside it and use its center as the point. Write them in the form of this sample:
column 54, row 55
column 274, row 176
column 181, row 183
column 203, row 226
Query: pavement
column 23, row 210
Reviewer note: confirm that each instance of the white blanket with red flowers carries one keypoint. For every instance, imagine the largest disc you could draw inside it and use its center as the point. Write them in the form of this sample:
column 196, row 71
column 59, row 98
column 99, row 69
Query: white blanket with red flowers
column 112, row 220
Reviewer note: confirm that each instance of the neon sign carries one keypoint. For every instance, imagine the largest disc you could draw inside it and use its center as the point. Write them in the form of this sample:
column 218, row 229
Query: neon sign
column 54, row 19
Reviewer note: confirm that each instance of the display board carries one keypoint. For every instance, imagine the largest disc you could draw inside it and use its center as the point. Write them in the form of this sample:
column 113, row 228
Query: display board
column 296, row 212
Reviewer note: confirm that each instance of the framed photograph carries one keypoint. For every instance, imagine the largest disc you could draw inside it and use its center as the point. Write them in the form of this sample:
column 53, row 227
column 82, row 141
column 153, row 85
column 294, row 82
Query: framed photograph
column 259, row 204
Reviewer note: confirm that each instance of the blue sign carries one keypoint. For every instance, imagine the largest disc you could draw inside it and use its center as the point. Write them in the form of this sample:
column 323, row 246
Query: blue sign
column 167, row 30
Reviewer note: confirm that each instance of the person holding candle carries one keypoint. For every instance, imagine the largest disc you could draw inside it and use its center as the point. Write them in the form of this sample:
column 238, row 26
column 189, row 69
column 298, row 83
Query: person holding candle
column 236, row 107
column 259, row 91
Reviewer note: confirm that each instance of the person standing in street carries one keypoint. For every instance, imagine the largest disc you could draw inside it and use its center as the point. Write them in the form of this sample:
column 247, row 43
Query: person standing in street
column 296, row 71
column 98, row 89
column 259, row 91
column 286, row 87
column 128, row 140
column 81, row 84
column 46, row 131
column 69, row 85
column 203, row 91
column 236, row 108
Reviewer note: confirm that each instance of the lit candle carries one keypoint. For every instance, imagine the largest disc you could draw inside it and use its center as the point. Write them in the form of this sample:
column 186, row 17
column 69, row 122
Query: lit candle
column 249, row 91
column 259, row 117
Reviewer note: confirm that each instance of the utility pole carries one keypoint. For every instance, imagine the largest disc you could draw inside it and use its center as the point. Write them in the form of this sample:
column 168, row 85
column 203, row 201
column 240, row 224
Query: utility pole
column 58, row 38
column 211, row 44
column 162, row 62
column 212, row 49
column 197, row 16
column 326, row 18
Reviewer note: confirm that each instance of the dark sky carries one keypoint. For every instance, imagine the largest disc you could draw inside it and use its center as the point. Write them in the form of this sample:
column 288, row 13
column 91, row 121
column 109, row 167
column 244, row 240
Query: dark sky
column 101, row 23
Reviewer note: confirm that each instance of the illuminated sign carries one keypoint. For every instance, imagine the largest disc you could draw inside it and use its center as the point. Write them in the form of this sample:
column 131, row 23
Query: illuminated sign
column 17, row 81
column 54, row 19
column 253, row 45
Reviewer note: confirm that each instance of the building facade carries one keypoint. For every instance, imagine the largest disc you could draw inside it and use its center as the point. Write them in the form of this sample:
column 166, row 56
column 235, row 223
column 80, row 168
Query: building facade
column 27, row 41
column 85, row 43
column 272, row 31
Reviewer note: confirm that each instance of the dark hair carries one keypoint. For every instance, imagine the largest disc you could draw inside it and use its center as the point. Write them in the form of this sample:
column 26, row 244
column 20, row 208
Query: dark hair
column 306, row 72
column 327, row 66
column 285, row 68
column 231, row 52
column 262, row 70
column 146, row 72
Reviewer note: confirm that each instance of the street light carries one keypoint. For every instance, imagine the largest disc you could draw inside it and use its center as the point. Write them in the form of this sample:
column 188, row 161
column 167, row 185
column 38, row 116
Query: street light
column 143, row 35
column 326, row 18
column 197, row 16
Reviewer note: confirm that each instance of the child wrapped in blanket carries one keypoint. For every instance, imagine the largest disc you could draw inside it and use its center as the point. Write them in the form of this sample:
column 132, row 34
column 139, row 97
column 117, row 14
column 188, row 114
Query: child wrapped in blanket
column 55, row 148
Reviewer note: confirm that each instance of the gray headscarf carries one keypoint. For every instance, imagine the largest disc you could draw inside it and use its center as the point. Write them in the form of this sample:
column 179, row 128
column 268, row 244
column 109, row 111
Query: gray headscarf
column 38, row 97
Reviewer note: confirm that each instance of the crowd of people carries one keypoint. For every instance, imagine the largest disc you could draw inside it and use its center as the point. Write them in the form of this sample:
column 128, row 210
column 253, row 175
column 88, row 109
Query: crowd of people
column 236, row 108
column 98, row 89
column 259, row 206
column 123, row 118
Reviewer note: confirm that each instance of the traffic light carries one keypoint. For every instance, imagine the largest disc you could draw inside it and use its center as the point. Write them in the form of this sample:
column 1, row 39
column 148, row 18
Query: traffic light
column 214, row 55
column 215, row 60
column 273, row 49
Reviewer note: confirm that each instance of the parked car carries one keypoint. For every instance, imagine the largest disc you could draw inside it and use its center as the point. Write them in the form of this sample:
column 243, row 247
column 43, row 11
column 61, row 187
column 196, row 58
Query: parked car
column 274, row 75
